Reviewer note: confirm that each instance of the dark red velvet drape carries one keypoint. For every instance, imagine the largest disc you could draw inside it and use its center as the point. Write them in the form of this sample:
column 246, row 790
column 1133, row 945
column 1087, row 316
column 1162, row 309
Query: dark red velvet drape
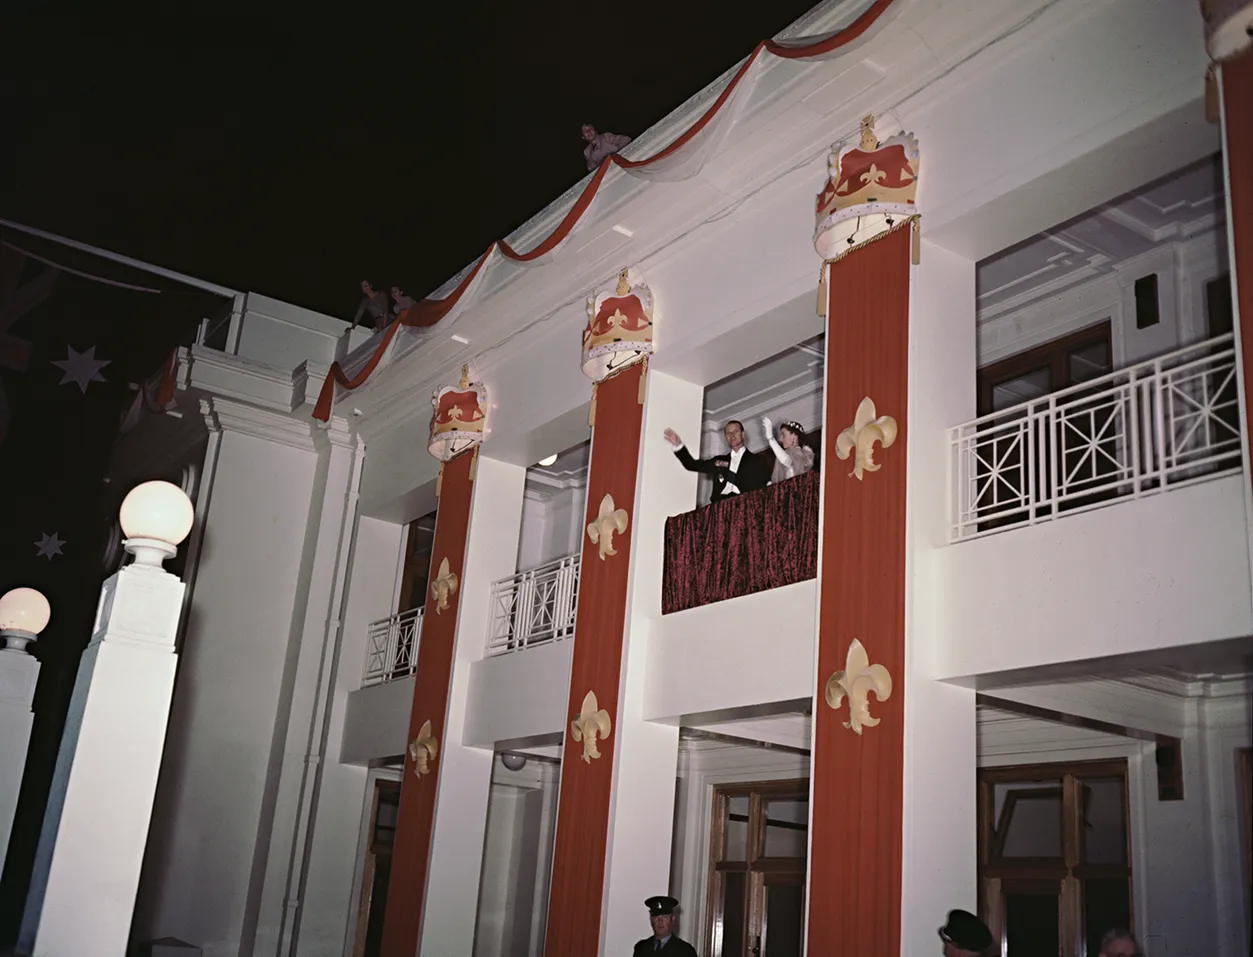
column 578, row 874
column 745, row 544
column 402, row 921
column 855, row 856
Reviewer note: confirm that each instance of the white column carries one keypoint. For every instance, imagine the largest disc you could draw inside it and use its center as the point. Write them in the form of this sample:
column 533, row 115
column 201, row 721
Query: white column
column 86, row 874
column 938, row 870
column 465, row 774
column 641, row 824
column 18, row 673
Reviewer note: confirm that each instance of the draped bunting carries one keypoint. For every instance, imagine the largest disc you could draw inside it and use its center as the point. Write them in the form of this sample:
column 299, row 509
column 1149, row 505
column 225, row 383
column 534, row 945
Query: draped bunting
column 580, row 845
column 741, row 545
column 858, row 779
column 430, row 311
column 402, row 919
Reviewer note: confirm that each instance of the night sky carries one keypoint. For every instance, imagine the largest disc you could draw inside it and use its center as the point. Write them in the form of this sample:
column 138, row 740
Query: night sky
column 282, row 156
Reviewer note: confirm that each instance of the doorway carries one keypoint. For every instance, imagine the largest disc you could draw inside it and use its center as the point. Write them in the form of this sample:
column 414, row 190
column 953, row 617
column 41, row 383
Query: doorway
column 377, row 867
column 758, row 847
column 1054, row 857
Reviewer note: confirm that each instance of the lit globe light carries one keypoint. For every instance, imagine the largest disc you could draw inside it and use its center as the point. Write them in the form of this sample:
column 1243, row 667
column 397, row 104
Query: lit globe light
column 514, row 762
column 548, row 460
column 155, row 517
column 24, row 613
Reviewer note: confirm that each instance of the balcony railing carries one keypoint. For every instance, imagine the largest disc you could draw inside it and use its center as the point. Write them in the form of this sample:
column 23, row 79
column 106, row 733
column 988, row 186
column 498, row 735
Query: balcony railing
column 1158, row 425
column 534, row 607
column 391, row 649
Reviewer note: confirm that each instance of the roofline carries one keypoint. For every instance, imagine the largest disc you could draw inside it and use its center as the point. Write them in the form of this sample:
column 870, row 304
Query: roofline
column 124, row 260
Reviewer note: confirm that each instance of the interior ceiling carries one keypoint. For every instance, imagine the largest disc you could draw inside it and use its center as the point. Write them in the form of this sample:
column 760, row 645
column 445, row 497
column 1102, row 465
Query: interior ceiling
column 1184, row 204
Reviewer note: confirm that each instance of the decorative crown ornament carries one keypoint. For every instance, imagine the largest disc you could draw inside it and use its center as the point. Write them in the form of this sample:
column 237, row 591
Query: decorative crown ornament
column 869, row 186
column 619, row 326
column 1228, row 27
column 459, row 422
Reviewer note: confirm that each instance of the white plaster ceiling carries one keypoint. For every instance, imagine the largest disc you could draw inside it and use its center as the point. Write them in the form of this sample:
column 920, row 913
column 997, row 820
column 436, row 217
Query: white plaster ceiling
column 1177, row 207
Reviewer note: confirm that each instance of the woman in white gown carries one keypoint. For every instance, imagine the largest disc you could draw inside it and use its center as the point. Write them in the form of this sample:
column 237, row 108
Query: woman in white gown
column 792, row 456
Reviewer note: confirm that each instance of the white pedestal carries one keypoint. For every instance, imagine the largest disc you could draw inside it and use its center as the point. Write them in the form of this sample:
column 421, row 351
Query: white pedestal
column 18, row 673
column 82, row 891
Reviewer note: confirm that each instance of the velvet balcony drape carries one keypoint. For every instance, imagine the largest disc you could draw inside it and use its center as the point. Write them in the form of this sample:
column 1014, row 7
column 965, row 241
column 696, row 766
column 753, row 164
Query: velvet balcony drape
column 745, row 544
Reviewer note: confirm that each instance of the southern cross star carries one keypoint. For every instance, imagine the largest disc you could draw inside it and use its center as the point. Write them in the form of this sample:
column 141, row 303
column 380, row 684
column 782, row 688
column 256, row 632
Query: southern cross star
column 49, row 545
column 81, row 368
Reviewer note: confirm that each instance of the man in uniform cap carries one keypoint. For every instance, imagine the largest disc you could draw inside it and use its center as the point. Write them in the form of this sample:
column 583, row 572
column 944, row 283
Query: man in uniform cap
column 661, row 915
column 964, row 934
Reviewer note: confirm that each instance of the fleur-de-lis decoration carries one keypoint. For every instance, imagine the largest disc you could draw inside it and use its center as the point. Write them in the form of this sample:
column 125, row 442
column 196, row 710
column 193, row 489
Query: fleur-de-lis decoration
column 444, row 587
column 856, row 681
column 424, row 749
column 608, row 521
column 859, row 438
column 592, row 721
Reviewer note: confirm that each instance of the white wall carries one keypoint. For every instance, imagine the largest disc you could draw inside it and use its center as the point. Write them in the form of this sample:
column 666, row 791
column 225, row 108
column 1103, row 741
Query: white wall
column 1166, row 570
column 201, row 849
column 552, row 524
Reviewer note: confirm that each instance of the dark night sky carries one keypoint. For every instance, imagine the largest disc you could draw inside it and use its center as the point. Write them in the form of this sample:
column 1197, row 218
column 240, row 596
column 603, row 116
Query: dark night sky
column 296, row 158
column 281, row 156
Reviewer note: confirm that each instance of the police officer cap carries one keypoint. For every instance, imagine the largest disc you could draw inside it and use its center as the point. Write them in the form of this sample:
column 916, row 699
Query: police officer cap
column 660, row 906
column 966, row 931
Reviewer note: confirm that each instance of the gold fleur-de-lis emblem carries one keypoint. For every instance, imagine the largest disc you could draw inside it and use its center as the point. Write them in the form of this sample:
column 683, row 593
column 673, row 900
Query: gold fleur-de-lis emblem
column 444, row 587
column 591, row 722
column 855, row 682
column 608, row 520
column 424, row 749
column 859, row 438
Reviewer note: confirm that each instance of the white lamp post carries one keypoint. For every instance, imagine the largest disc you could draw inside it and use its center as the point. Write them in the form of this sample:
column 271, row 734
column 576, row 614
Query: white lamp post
column 24, row 613
column 91, row 847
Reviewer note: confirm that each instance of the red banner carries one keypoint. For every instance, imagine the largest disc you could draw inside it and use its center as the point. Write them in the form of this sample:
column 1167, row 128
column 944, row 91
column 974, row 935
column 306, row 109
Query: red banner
column 402, row 921
column 856, row 813
column 1237, row 82
column 578, row 874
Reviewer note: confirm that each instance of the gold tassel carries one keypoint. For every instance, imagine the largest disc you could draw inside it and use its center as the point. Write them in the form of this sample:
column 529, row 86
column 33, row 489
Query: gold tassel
column 591, row 412
column 1213, row 111
column 474, row 463
column 643, row 379
column 915, row 245
column 822, row 289
column 439, row 482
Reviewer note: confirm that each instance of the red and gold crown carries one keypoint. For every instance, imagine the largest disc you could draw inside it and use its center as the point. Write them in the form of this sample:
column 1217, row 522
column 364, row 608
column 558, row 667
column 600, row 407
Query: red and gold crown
column 619, row 326
column 459, row 421
column 871, row 180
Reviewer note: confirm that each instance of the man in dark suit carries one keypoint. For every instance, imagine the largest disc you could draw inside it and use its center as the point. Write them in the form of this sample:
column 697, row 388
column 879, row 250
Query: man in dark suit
column 661, row 915
column 738, row 471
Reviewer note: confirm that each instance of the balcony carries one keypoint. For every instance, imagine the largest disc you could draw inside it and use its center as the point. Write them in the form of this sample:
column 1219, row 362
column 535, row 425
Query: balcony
column 391, row 648
column 534, row 607
column 1159, row 425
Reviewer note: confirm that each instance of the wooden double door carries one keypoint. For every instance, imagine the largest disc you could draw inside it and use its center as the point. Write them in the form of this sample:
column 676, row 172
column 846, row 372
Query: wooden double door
column 757, row 865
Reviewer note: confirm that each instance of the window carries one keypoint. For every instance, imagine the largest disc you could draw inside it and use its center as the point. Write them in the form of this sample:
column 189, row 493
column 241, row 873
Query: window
column 758, row 847
column 1054, row 862
column 1218, row 310
column 1147, row 311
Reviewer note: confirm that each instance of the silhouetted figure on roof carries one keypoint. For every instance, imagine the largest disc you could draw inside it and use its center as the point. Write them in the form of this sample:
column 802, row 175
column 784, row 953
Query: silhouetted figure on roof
column 374, row 303
column 600, row 145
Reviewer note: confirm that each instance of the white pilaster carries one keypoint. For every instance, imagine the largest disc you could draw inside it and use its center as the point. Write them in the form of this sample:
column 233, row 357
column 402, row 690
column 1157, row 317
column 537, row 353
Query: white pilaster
column 452, row 888
column 938, row 870
column 82, row 891
column 19, row 671
column 641, row 824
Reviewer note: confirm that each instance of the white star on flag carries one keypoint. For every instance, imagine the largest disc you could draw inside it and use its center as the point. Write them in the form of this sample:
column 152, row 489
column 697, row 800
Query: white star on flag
column 81, row 368
column 49, row 545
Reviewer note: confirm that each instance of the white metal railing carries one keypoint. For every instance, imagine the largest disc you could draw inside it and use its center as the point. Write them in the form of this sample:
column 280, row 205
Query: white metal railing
column 391, row 648
column 1153, row 426
column 534, row 607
